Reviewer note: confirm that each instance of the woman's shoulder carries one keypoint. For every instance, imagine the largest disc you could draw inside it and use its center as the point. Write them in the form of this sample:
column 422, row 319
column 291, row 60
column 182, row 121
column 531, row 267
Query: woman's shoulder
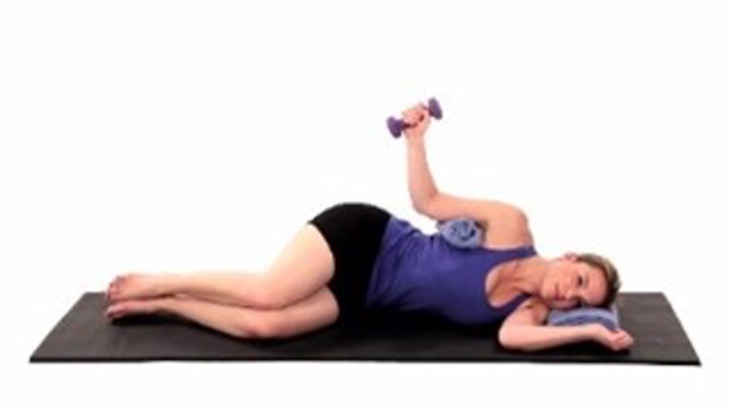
column 508, row 234
column 539, row 309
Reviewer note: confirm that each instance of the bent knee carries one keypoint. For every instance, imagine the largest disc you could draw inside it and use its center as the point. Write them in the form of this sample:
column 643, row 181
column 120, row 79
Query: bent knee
column 258, row 327
column 269, row 297
column 266, row 330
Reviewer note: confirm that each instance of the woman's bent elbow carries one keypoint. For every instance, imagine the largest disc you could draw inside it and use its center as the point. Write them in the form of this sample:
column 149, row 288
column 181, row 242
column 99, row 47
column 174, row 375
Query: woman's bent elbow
column 507, row 339
column 424, row 206
column 421, row 206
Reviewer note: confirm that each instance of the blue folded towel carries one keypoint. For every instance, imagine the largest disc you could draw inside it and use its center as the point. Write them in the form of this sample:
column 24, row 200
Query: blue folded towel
column 461, row 232
column 579, row 316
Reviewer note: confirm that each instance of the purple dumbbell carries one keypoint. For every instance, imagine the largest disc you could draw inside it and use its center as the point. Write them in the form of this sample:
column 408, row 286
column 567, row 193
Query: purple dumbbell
column 396, row 126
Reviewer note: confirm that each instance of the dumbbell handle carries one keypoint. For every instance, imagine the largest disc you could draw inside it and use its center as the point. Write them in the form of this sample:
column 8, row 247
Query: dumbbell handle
column 396, row 126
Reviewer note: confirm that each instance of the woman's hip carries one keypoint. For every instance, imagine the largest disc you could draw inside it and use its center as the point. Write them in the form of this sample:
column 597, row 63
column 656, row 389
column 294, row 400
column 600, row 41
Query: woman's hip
column 354, row 232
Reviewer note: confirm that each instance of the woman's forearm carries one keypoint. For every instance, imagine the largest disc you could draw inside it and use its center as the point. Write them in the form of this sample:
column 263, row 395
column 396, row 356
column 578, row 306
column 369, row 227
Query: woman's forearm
column 539, row 337
column 421, row 184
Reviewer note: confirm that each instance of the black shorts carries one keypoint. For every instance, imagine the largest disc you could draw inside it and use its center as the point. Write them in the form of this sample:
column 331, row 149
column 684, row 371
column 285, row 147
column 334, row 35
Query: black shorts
column 354, row 232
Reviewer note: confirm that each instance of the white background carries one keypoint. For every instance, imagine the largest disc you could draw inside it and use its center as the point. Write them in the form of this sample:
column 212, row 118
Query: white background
column 176, row 136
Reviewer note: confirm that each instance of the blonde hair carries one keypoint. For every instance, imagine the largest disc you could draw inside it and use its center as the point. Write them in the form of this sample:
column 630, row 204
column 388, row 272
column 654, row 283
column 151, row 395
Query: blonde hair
column 613, row 283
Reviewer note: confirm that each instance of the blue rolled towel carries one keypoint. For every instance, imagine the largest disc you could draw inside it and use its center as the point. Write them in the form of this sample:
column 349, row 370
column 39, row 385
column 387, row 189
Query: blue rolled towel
column 579, row 316
column 461, row 232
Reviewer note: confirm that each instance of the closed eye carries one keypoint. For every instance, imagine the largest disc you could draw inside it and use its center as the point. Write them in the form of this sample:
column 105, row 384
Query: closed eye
column 583, row 281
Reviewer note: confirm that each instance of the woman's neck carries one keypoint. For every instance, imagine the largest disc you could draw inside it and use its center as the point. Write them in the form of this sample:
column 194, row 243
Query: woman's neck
column 527, row 274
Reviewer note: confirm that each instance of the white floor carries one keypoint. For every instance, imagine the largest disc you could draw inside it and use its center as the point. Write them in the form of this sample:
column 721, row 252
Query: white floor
column 272, row 389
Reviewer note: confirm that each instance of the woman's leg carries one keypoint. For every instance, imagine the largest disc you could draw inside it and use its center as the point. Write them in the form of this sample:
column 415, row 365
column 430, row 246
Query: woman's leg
column 303, row 267
column 312, row 313
column 219, row 287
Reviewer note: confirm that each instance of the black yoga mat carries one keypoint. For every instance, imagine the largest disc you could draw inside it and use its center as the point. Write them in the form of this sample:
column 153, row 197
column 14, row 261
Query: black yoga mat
column 84, row 335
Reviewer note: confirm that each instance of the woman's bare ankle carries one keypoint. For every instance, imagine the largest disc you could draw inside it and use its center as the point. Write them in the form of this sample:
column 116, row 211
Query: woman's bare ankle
column 165, row 304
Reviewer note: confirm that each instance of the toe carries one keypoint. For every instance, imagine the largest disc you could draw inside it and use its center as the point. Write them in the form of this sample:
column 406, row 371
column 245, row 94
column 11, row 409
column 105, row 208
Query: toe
column 112, row 293
column 110, row 312
column 116, row 310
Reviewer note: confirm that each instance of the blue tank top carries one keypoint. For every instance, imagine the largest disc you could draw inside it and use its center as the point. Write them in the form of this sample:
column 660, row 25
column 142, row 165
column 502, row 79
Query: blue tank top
column 416, row 272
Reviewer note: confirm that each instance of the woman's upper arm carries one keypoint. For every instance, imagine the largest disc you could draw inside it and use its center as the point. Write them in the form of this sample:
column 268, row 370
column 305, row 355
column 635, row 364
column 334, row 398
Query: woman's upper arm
column 506, row 222
column 531, row 312
column 445, row 206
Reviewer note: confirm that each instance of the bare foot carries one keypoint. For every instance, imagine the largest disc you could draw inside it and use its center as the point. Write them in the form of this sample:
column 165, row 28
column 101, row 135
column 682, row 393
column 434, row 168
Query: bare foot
column 132, row 307
column 134, row 286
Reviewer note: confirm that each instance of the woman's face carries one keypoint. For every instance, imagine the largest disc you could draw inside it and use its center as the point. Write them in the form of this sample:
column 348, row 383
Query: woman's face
column 570, row 284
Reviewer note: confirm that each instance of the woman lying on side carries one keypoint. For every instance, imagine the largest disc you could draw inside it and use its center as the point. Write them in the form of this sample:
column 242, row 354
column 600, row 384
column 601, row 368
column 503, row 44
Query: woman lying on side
column 355, row 259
